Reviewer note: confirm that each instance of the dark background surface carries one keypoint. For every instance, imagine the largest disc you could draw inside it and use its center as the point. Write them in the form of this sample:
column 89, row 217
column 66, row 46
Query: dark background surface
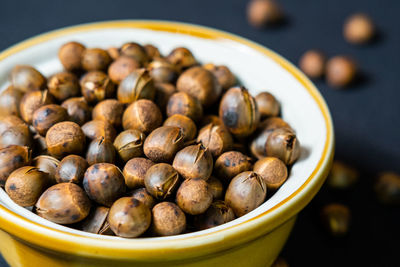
column 366, row 116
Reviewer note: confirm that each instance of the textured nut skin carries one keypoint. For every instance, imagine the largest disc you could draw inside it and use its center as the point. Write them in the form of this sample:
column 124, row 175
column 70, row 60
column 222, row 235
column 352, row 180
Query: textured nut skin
column 71, row 169
column 78, row 110
column 194, row 162
column 162, row 71
column 143, row 196
column 218, row 213
column 283, row 144
column 238, row 111
column 216, row 188
column 104, row 183
column 261, row 13
column 273, row 171
column 135, row 51
column 194, row 196
column 95, row 59
column 121, row 68
column 13, row 131
column 313, row 63
column 65, row 138
column 129, row 144
column 267, row 105
column 136, row 85
column 135, row 171
column 168, row 219
column 96, row 221
column 246, row 192
column 12, row 158
column 128, row 217
column 64, row 203
column 152, row 51
column 223, row 74
column 26, row 78
column 46, row 116
column 100, row 150
column 109, row 110
column 70, row 55
column 200, row 84
column 340, row 71
column 96, row 86
column 161, row 180
column 230, row 164
column 142, row 115
column 162, row 144
column 187, row 125
column 9, row 101
column 25, row 185
column 336, row 219
column 48, row 165
column 32, row 101
column 358, row 29
column 63, row 85
column 182, row 58
column 216, row 138
column 99, row 128
column 182, row 103
column 163, row 92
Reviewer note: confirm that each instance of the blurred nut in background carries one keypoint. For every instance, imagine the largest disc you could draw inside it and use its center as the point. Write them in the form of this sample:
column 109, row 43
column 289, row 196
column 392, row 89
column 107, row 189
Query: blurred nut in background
column 261, row 13
column 223, row 74
column 152, row 51
column 27, row 78
column 63, row 85
column 13, row 131
column 358, row 29
column 95, row 59
column 135, row 51
column 182, row 58
column 163, row 92
column 122, row 67
column 336, row 219
column 312, row 63
column 96, row 86
column 11, row 158
column 32, row 101
column 387, row 188
column 70, row 55
column 341, row 71
column 267, row 105
column 9, row 101
column 342, row 176
column 162, row 71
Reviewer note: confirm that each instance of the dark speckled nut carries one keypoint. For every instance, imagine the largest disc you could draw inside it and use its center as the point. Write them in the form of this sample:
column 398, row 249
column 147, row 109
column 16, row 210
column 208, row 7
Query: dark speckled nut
column 184, row 104
column 12, row 158
column 96, row 86
column 135, row 170
column 161, row 180
column 230, row 164
column 78, row 110
column 136, row 51
column 71, row 169
column 136, row 85
column 27, row 78
column 143, row 196
column 95, row 59
column 63, row 85
column 100, row 150
column 48, row 115
column 104, row 183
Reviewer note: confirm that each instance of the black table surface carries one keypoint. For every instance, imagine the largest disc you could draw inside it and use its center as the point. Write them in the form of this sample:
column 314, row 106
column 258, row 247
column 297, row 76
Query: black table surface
column 366, row 116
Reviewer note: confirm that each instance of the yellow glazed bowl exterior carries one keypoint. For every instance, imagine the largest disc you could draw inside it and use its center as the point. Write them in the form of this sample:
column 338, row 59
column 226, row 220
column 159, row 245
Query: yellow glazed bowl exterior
column 256, row 242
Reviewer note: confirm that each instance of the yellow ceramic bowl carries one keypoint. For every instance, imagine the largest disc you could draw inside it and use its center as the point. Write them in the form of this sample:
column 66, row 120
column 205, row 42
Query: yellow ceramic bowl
column 252, row 240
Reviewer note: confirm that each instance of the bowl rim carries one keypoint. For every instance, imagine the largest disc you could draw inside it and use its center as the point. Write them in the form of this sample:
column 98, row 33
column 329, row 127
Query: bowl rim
column 185, row 247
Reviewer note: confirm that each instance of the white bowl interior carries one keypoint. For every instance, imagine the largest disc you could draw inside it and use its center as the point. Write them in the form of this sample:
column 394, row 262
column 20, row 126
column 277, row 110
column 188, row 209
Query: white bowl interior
column 255, row 70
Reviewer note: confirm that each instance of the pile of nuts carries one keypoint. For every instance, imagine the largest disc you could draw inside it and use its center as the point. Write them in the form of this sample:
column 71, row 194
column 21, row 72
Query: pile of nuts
column 130, row 143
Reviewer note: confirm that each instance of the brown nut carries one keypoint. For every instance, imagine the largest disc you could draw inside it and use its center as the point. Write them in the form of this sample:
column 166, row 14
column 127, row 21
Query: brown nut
column 267, row 105
column 32, row 101
column 110, row 110
column 96, row 221
column 387, row 188
column 336, row 219
column 100, row 150
column 9, row 101
column 340, row 71
column 230, row 164
column 342, row 175
column 99, row 128
column 182, row 58
column 215, row 120
column 96, row 86
column 121, row 68
column 312, row 63
column 136, row 85
column 238, row 111
column 95, row 59
column 65, row 138
column 78, row 110
column 128, row 217
column 163, row 92
column 359, row 29
column 216, row 188
column 13, row 131
column 129, row 144
column 186, row 124
column 223, row 74
column 194, row 196
column 273, row 171
column 162, row 71
column 64, row 203
column 135, row 170
column 218, row 213
column 284, row 145
column 200, row 84
column 261, row 13
column 135, row 51
column 46, row 116
column 27, row 78
column 216, row 138
column 168, row 219
column 142, row 115
column 151, row 51
column 63, row 85
column 25, row 185
column 104, row 183
column 161, row 180
column 194, row 162
column 246, row 192
column 12, row 158
column 48, row 165
column 70, row 55
column 113, row 52
column 143, row 196
column 71, row 169
column 184, row 104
